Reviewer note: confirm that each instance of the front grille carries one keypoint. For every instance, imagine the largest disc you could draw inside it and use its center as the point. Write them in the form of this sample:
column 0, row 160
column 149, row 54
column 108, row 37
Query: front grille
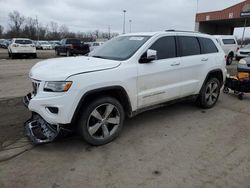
column 35, row 84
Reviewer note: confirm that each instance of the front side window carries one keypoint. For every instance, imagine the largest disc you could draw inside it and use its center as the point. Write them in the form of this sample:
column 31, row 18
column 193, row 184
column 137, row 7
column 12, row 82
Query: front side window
column 189, row 46
column 207, row 46
column 165, row 47
column 119, row 48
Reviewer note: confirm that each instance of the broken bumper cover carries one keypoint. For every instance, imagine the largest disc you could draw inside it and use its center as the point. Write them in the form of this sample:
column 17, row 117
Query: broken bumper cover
column 39, row 131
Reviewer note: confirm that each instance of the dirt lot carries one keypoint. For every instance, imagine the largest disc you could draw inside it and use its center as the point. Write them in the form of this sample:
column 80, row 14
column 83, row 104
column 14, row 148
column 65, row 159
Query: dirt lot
column 176, row 146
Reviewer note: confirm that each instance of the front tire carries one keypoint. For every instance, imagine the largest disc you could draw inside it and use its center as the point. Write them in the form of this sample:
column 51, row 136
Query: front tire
column 209, row 94
column 101, row 121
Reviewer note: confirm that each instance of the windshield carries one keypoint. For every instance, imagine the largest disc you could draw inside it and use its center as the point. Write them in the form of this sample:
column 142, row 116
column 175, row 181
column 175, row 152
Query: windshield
column 247, row 46
column 119, row 48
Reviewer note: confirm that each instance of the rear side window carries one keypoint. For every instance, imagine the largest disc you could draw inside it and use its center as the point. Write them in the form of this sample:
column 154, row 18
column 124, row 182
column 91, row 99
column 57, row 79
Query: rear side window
column 23, row 41
column 189, row 46
column 207, row 46
column 228, row 41
column 165, row 47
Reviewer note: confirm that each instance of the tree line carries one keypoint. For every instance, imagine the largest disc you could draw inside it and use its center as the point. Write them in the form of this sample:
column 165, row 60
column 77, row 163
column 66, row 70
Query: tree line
column 28, row 27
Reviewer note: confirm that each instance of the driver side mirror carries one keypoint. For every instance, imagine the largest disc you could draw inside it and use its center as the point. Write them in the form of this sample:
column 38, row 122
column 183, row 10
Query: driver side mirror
column 148, row 56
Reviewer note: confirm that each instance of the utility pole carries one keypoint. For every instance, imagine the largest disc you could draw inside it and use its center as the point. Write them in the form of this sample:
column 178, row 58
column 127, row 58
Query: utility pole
column 124, row 21
column 108, row 31
column 130, row 24
column 37, row 29
column 243, row 34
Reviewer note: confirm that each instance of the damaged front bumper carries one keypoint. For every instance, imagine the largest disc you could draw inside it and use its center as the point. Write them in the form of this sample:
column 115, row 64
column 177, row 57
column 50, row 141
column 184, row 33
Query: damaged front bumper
column 38, row 130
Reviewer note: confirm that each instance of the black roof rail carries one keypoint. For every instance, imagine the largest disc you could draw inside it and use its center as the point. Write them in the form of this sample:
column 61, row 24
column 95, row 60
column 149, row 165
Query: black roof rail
column 173, row 30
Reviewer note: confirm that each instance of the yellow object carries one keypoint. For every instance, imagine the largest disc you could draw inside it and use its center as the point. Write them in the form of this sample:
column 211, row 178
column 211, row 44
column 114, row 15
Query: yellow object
column 243, row 76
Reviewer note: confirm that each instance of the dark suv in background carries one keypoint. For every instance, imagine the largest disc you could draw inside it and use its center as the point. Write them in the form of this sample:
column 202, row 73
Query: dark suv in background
column 72, row 47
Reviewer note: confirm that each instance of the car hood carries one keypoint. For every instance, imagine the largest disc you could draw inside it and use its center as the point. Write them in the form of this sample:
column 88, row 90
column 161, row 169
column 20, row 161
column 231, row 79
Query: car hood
column 61, row 68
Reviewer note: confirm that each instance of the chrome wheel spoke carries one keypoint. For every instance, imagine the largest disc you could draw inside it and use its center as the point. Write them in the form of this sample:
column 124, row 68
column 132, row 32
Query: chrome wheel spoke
column 96, row 114
column 105, row 130
column 214, row 87
column 95, row 128
column 207, row 96
column 215, row 95
column 108, row 110
column 113, row 120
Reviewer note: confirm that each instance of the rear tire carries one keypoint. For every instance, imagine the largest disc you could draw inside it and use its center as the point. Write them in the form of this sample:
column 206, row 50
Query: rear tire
column 57, row 53
column 209, row 94
column 101, row 121
column 229, row 59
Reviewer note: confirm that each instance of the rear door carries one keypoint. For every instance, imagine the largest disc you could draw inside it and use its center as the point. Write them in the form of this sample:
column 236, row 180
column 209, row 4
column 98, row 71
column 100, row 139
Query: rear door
column 159, row 80
column 193, row 64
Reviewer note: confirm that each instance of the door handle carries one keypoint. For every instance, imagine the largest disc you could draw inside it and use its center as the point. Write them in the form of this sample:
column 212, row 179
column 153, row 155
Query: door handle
column 204, row 59
column 175, row 64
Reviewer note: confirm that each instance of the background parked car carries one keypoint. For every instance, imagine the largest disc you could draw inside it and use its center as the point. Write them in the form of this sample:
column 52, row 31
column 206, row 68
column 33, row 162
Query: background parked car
column 21, row 46
column 71, row 47
column 4, row 43
column 243, row 52
column 43, row 45
column 54, row 43
column 93, row 45
column 229, row 45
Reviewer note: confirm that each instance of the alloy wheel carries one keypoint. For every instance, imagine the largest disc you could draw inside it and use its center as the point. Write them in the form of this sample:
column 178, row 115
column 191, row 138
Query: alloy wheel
column 212, row 93
column 103, row 121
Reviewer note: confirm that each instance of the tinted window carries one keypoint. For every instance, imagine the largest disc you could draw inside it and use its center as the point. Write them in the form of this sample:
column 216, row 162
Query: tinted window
column 73, row 41
column 207, row 46
column 165, row 47
column 228, row 41
column 189, row 46
column 23, row 41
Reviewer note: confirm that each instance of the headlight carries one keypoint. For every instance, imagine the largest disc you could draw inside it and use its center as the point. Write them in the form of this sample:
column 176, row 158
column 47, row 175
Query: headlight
column 57, row 86
column 242, row 62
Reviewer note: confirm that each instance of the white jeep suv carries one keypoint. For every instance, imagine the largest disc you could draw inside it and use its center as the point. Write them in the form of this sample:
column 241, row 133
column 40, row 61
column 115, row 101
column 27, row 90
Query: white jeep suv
column 127, row 75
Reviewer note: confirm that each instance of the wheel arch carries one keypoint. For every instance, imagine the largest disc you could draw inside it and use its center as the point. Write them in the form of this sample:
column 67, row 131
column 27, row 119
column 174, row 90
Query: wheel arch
column 216, row 73
column 118, row 92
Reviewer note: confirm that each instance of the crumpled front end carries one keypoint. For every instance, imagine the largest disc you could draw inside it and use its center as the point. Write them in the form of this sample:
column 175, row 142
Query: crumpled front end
column 39, row 131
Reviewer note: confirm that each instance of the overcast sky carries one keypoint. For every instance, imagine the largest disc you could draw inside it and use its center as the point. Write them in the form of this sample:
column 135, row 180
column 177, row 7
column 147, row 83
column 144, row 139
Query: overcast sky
column 85, row 15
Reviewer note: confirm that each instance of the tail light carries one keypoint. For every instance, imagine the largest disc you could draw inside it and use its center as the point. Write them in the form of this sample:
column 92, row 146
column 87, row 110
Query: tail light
column 15, row 45
column 71, row 46
column 225, row 57
column 32, row 45
column 237, row 49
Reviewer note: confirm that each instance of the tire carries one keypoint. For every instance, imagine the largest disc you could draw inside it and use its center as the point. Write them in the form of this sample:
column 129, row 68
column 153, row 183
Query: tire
column 34, row 55
column 209, row 94
column 101, row 121
column 68, row 53
column 57, row 52
column 13, row 56
column 229, row 59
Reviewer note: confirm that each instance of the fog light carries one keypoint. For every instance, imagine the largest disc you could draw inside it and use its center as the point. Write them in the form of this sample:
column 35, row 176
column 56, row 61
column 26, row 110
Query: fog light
column 53, row 110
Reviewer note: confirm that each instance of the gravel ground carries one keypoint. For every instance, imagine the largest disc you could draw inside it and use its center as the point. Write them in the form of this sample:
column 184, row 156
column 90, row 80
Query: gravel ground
column 176, row 146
